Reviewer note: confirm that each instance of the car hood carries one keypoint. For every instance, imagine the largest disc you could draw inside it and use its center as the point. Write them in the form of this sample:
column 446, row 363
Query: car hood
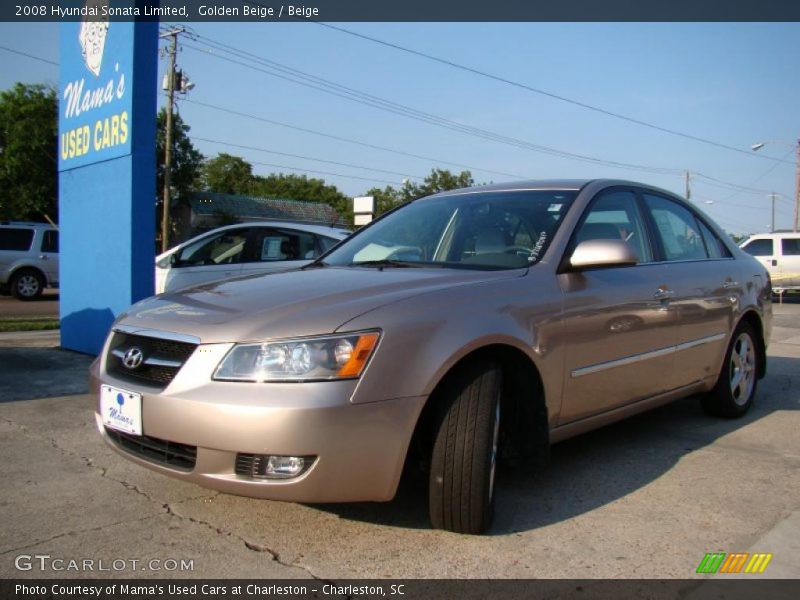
column 291, row 303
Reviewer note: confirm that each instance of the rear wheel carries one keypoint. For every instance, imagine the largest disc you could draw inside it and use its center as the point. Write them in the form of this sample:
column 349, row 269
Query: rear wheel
column 734, row 392
column 27, row 284
column 464, row 457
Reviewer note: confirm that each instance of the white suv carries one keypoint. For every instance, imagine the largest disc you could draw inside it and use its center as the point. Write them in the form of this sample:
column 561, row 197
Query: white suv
column 780, row 253
column 28, row 258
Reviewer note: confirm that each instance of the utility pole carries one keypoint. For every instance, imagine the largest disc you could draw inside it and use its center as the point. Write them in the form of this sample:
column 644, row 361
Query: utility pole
column 772, row 195
column 688, row 188
column 797, row 190
column 172, row 52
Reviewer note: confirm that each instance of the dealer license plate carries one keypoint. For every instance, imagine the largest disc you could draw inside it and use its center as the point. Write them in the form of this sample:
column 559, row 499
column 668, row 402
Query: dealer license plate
column 121, row 409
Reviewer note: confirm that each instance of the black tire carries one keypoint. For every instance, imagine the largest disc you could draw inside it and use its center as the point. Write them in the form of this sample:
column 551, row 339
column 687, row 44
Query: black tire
column 461, row 484
column 736, row 387
column 27, row 284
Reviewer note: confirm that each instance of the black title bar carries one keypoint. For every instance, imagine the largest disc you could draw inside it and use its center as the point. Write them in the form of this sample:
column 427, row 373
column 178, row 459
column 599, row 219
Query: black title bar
column 270, row 11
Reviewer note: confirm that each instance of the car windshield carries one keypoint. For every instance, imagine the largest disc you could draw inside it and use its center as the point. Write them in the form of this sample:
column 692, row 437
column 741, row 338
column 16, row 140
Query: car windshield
column 475, row 230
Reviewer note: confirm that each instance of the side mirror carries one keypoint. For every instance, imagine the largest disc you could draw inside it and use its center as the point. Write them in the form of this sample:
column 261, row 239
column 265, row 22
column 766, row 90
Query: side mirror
column 602, row 254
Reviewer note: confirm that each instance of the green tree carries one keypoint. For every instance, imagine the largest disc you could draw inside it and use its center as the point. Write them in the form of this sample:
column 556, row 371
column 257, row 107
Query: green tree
column 439, row 180
column 28, row 153
column 227, row 174
column 187, row 161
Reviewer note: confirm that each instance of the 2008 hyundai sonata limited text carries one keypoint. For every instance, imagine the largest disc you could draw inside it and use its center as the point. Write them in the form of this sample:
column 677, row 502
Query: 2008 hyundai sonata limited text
column 460, row 327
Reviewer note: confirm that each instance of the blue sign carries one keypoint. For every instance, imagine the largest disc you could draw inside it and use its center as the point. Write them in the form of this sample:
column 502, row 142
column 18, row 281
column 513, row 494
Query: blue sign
column 95, row 95
column 107, row 173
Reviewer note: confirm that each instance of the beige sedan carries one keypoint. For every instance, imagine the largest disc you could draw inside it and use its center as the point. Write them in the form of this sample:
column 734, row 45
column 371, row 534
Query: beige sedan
column 462, row 327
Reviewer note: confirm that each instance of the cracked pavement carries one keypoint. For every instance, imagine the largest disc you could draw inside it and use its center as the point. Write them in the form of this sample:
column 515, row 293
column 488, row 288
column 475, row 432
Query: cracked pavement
column 644, row 498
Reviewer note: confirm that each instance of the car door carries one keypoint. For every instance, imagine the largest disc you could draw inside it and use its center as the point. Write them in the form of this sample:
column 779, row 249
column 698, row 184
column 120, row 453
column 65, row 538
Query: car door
column 216, row 256
column 705, row 282
column 618, row 323
column 271, row 249
column 49, row 255
column 790, row 261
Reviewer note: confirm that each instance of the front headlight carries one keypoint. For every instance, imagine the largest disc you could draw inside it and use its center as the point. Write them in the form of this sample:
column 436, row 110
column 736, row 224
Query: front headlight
column 306, row 359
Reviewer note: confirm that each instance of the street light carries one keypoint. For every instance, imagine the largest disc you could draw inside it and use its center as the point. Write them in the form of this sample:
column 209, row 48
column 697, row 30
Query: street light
column 759, row 146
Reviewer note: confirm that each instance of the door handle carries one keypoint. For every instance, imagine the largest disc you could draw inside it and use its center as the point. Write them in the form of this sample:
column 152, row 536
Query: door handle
column 774, row 262
column 663, row 294
column 43, row 257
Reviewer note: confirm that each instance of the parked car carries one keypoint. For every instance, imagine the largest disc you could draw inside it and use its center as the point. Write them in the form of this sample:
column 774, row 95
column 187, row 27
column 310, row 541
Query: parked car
column 471, row 324
column 263, row 246
column 28, row 258
column 779, row 252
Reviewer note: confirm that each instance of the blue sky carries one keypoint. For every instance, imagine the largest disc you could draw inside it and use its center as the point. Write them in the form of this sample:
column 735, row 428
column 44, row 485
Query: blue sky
column 734, row 83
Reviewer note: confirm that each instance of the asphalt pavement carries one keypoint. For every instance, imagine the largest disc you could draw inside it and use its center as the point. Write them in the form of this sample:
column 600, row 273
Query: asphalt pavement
column 44, row 306
column 644, row 498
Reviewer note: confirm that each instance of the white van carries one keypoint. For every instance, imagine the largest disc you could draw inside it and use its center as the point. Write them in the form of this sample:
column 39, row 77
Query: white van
column 780, row 253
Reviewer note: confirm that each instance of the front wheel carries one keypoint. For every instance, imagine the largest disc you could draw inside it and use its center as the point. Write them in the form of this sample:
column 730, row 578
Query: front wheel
column 464, row 457
column 736, row 387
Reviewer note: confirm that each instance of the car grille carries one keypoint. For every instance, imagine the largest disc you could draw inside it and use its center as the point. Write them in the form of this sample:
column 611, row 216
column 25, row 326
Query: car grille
column 162, row 358
column 179, row 456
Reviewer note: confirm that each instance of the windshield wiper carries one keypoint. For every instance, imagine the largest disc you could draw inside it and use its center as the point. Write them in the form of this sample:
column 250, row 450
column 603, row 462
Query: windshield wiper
column 386, row 262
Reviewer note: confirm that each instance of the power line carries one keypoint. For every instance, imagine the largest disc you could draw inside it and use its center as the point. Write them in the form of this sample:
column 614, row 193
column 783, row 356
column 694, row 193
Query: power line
column 352, row 141
column 720, row 183
column 302, row 170
column 542, row 92
column 764, row 174
column 314, row 82
column 331, row 162
column 26, row 55
column 318, row 83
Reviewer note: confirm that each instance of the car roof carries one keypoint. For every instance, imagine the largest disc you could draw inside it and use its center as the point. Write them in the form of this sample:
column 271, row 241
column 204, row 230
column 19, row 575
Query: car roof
column 544, row 184
column 774, row 234
column 312, row 228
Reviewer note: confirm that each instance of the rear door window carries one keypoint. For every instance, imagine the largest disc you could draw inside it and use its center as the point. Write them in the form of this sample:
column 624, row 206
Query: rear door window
column 272, row 245
column 678, row 229
column 17, row 239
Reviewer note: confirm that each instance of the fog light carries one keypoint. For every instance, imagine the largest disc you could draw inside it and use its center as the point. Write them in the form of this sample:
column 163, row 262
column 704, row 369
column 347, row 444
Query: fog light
column 261, row 466
column 284, row 466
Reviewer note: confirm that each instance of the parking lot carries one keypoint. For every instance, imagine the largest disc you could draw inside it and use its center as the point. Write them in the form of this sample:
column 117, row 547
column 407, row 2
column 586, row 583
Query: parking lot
column 644, row 498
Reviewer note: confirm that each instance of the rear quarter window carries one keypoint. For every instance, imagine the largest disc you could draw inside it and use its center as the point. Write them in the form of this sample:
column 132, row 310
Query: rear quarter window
column 50, row 241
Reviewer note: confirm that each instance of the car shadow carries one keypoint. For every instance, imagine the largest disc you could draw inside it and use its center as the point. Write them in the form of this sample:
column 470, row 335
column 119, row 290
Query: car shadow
column 593, row 469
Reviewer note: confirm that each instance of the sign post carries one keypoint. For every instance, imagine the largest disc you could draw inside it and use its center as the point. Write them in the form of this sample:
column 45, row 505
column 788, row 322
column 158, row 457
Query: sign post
column 106, row 163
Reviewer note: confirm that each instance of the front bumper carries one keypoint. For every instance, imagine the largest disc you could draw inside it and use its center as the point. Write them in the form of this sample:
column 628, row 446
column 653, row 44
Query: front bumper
column 360, row 448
